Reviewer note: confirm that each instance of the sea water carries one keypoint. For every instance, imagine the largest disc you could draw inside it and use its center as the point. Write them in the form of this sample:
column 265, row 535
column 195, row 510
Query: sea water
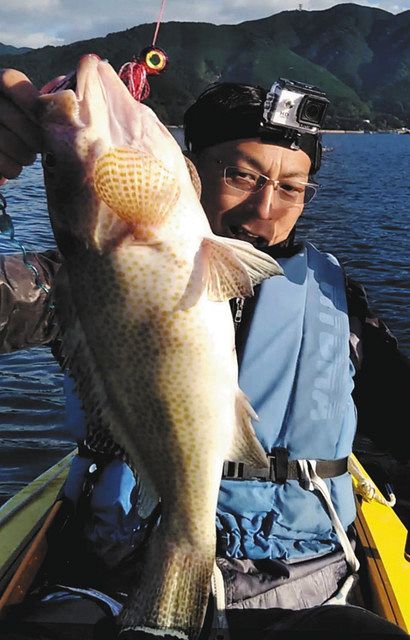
column 361, row 214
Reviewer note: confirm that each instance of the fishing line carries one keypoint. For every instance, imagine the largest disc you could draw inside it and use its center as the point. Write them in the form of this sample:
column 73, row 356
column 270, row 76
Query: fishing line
column 161, row 13
column 152, row 60
column 7, row 230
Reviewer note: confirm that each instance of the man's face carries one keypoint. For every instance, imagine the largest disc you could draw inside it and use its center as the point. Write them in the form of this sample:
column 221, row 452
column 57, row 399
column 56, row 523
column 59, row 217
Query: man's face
column 264, row 217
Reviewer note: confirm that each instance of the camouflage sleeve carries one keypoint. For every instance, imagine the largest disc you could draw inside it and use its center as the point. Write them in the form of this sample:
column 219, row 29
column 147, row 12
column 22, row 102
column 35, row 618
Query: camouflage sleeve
column 382, row 380
column 26, row 317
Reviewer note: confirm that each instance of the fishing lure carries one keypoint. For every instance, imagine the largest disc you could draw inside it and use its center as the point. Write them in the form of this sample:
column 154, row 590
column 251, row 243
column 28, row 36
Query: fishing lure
column 151, row 61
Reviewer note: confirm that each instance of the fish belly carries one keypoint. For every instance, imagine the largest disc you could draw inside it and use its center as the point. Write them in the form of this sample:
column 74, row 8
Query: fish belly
column 164, row 381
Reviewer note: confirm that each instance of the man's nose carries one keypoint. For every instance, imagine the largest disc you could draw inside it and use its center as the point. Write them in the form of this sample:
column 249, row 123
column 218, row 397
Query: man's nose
column 264, row 202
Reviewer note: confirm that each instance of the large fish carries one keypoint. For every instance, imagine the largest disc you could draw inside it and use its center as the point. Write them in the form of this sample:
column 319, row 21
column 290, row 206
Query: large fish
column 143, row 300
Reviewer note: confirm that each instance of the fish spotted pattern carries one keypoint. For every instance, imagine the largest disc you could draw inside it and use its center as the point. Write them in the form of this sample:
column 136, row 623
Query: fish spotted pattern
column 142, row 299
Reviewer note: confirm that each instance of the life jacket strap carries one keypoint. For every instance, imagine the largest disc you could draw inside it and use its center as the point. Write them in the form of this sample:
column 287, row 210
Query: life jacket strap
column 313, row 482
column 281, row 468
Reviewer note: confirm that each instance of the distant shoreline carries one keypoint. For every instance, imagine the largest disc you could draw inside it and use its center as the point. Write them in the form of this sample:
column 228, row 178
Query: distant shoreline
column 398, row 132
column 344, row 131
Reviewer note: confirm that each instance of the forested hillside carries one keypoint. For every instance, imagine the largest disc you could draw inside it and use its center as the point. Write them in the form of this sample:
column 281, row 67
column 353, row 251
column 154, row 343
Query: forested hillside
column 359, row 55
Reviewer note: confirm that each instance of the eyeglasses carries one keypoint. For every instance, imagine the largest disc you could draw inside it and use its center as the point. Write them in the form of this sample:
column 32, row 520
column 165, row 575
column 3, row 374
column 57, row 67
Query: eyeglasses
column 292, row 192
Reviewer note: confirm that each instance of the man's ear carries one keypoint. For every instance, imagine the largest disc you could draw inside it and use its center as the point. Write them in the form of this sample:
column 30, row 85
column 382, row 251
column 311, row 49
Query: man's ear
column 195, row 179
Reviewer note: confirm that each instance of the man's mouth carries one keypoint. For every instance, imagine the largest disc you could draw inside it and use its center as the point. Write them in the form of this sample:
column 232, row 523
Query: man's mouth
column 240, row 233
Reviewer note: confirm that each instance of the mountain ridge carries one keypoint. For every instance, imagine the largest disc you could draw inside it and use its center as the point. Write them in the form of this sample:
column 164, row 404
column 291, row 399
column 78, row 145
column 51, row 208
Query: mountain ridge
column 9, row 49
column 359, row 55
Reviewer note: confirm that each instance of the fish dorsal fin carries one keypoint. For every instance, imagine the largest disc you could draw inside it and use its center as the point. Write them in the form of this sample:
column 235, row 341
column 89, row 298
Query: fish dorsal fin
column 245, row 446
column 137, row 187
column 227, row 269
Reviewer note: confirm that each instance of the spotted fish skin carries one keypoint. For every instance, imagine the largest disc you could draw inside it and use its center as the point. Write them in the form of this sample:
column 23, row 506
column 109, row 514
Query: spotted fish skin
column 143, row 301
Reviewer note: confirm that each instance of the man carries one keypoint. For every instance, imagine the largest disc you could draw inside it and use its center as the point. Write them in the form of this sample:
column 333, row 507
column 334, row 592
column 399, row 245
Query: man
column 285, row 541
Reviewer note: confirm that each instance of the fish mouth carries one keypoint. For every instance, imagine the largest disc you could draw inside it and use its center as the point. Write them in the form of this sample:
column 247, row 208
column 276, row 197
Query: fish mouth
column 91, row 112
column 92, row 96
column 240, row 232
column 103, row 98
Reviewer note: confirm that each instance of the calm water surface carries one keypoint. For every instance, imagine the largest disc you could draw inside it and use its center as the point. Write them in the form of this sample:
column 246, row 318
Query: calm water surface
column 361, row 214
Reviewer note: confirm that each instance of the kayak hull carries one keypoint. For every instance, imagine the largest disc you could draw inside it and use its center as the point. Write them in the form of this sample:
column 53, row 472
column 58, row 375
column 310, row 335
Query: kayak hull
column 26, row 518
column 24, row 521
column 382, row 537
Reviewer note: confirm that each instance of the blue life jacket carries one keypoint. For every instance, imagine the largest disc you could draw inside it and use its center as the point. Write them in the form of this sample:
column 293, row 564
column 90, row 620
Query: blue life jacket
column 297, row 374
column 114, row 528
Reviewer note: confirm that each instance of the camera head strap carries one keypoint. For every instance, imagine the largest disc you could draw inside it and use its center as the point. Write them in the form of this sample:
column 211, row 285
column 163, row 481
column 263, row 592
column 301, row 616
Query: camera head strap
column 291, row 116
column 291, row 139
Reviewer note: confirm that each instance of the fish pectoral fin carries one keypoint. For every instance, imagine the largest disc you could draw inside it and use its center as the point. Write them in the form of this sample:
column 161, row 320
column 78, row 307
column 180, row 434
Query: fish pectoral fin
column 217, row 271
column 223, row 274
column 246, row 447
column 235, row 267
column 259, row 265
column 136, row 187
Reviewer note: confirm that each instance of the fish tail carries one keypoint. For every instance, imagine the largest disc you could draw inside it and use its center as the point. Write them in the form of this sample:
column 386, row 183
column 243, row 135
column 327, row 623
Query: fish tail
column 173, row 590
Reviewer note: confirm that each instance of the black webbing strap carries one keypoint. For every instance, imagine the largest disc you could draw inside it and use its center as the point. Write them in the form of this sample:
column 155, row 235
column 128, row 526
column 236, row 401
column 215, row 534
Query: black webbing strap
column 98, row 462
column 281, row 468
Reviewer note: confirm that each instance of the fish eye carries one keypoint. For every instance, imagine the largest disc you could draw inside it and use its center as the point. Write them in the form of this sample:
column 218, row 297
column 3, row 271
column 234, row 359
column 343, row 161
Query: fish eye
column 49, row 160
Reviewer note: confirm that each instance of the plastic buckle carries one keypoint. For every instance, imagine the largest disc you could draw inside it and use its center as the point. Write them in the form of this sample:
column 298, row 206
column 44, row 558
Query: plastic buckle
column 89, row 481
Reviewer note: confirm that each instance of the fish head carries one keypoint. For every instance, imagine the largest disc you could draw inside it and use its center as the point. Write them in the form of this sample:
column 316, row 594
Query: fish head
column 112, row 170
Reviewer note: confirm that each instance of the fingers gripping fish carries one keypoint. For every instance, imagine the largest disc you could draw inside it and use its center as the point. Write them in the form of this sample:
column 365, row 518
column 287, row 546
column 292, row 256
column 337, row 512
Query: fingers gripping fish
column 143, row 302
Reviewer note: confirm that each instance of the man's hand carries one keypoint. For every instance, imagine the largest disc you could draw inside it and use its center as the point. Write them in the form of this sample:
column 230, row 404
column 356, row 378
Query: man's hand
column 19, row 133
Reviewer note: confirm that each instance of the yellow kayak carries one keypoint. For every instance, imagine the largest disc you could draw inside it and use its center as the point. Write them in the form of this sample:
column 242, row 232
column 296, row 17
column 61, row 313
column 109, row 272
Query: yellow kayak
column 383, row 537
column 24, row 522
column 26, row 518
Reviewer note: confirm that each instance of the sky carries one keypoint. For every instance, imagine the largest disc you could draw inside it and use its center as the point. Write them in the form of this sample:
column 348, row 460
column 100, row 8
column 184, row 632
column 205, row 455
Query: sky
column 36, row 23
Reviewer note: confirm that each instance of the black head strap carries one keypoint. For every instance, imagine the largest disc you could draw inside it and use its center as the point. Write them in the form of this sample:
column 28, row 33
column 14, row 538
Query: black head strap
column 249, row 124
